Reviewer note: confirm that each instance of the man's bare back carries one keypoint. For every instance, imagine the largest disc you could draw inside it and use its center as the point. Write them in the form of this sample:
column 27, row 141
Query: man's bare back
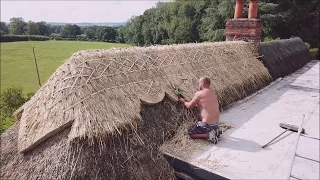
column 208, row 106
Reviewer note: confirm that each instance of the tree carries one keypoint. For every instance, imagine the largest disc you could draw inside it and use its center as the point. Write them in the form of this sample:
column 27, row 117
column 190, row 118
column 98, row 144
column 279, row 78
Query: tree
column 183, row 21
column 147, row 27
column 58, row 30
column 186, row 24
column 304, row 20
column 289, row 18
column 120, row 36
column 33, row 29
column 183, row 33
column 43, row 28
column 77, row 30
column 54, row 29
column 274, row 20
column 128, row 31
column 68, row 31
column 10, row 100
column 3, row 28
column 84, row 28
column 90, row 33
column 106, row 33
column 17, row 26
column 94, row 27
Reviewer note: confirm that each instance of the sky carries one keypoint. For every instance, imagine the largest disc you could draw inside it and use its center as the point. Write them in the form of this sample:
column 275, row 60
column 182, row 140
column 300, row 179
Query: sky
column 74, row 11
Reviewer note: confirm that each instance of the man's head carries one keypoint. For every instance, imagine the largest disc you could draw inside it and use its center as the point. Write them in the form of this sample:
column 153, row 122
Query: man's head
column 204, row 82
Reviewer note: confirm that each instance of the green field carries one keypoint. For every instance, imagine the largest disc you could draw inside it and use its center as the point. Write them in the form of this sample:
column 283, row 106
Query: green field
column 17, row 62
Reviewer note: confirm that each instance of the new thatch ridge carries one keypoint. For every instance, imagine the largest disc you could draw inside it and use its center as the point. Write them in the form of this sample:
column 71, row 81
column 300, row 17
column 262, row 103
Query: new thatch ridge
column 99, row 100
column 283, row 57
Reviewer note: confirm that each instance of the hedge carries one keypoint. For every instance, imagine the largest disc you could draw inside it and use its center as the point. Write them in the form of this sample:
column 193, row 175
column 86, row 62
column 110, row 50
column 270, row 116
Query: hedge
column 314, row 52
column 64, row 39
column 14, row 38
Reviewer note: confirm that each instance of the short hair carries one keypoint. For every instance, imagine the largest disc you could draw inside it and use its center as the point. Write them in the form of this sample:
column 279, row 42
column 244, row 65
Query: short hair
column 206, row 80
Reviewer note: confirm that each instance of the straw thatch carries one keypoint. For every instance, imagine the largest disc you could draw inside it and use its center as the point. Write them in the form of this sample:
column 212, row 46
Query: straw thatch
column 127, row 156
column 99, row 101
column 283, row 57
column 99, row 92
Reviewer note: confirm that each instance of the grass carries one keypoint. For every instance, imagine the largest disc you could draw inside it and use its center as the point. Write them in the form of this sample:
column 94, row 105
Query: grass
column 5, row 123
column 17, row 61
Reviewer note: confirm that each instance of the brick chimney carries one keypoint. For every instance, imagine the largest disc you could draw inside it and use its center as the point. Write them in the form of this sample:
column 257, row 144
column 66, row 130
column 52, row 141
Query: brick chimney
column 248, row 29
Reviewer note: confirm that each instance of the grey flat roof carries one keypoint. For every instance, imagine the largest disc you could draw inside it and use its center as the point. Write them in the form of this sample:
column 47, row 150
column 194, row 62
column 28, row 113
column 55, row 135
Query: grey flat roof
column 255, row 122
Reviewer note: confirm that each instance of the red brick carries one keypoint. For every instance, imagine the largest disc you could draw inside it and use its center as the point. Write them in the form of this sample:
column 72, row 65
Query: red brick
column 248, row 28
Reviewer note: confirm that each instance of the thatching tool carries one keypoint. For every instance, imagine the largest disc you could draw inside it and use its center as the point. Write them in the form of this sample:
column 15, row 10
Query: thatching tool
column 176, row 90
column 287, row 127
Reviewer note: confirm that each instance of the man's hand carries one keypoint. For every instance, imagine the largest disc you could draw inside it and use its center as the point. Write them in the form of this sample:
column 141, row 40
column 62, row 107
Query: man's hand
column 193, row 102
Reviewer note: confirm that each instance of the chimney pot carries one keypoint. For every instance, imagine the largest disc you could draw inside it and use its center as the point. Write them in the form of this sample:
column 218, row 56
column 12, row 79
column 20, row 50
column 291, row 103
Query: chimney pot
column 238, row 12
column 253, row 9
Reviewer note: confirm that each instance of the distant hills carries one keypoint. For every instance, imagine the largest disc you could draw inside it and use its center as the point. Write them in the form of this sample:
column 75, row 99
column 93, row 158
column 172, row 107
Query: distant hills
column 112, row 24
column 89, row 24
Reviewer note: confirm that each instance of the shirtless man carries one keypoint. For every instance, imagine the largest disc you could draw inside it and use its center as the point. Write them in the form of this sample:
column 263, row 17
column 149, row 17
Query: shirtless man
column 206, row 100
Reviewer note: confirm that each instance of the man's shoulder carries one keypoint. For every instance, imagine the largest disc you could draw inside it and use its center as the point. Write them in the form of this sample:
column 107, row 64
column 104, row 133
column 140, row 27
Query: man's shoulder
column 213, row 91
column 198, row 93
column 210, row 92
column 201, row 93
column 205, row 92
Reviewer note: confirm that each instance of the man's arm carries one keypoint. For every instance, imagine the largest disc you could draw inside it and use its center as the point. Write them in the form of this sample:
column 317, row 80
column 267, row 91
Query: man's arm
column 193, row 102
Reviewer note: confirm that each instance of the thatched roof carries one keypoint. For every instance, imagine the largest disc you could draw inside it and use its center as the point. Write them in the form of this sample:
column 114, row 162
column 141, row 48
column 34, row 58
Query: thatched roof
column 98, row 92
column 97, row 101
column 132, row 155
column 283, row 57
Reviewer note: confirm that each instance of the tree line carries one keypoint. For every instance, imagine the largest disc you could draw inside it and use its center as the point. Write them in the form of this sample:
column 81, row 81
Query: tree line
column 185, row 21
column 17, row 26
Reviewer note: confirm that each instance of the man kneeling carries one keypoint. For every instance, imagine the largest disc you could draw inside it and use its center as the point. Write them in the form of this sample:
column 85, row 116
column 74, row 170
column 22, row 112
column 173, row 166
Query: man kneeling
column 206, row 100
